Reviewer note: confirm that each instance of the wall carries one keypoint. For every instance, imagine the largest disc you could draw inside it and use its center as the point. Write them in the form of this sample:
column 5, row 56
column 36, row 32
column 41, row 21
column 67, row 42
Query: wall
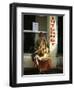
column 42, row 20
column 4, row 43
column 27, row 61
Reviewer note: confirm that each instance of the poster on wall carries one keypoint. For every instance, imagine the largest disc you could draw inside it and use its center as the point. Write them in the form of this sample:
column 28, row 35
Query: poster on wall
column 35, row 26
column 40, row 44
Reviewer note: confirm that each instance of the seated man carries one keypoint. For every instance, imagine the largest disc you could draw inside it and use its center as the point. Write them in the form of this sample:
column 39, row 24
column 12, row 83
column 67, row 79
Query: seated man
column 42, row 55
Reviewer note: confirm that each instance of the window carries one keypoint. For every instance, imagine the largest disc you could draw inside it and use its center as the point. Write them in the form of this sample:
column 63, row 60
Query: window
column 31, row 31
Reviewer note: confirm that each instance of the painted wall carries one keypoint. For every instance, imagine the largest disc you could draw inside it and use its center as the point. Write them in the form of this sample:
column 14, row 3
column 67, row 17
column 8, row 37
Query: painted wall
column 27, row 61
column 42, row 20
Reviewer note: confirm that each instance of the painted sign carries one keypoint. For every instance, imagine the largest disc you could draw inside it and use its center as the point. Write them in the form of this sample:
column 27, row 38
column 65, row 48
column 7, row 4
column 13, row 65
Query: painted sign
column 52, row 33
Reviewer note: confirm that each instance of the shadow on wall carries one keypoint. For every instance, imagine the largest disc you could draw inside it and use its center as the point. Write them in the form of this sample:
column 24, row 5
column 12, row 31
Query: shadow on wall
column 53, row 57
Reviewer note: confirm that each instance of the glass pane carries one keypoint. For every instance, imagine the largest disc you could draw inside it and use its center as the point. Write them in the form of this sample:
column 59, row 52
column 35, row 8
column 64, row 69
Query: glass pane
column 28, row 19
column 30, row 41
